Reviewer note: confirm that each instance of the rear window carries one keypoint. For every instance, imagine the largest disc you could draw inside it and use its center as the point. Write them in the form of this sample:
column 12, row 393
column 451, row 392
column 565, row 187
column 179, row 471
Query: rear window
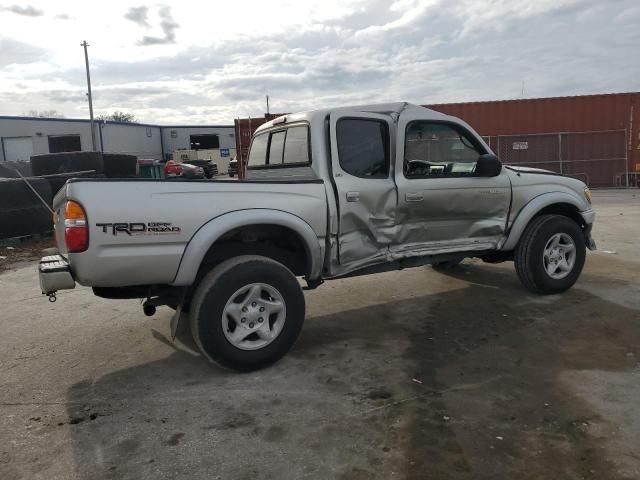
column 258, row 152
column 276, row 148
column 281, row 148
column 296, row 149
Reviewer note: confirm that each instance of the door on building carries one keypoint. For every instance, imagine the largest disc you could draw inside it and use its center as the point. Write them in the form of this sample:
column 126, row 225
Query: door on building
column 17, row 149
column 64, row 143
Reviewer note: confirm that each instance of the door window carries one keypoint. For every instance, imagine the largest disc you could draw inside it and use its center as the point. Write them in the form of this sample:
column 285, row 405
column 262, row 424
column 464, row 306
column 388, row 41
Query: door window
column 439, row 150
column 363, row 147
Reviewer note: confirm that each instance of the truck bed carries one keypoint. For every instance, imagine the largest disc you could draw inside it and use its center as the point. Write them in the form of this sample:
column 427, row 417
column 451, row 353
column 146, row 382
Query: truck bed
column 139, row 228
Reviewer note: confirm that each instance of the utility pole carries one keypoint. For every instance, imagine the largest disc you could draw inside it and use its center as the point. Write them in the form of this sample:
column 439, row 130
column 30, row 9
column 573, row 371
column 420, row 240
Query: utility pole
column 86, row 62
column 267, row 104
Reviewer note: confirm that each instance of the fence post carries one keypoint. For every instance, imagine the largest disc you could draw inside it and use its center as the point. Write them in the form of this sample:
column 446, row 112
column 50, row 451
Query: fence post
column 560, row 151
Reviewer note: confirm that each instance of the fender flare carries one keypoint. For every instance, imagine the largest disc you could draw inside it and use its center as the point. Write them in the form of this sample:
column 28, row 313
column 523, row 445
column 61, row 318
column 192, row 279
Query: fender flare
column 530, row 210
column 211, row 231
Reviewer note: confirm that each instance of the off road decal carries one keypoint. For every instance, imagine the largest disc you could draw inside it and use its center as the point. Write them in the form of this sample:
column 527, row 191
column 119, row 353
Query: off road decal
column 139, row 228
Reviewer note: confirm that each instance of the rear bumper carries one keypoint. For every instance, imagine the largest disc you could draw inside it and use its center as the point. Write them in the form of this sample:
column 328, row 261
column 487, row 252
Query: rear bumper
column 55, row 274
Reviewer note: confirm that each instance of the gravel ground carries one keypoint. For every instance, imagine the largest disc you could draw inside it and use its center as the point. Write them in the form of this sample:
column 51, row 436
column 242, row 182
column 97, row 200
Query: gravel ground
column 410, row 374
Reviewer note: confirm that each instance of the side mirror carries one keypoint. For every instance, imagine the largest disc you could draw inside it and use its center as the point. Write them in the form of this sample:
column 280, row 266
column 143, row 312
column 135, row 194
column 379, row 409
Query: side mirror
column 488, row 165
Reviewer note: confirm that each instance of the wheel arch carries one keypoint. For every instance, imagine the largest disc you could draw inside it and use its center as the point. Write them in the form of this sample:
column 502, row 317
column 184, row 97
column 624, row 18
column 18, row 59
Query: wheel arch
column 242, row 224
column 557, row 203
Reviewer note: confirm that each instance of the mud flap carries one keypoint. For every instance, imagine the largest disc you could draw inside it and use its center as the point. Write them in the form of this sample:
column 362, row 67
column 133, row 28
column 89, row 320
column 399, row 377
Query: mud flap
column 179, row 322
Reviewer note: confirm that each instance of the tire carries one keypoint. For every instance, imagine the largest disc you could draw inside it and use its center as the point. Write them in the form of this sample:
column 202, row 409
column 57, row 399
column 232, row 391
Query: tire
column 117, row 165
column 446, row 265
column 8, row 169
column 533, row 263
column 21, row 212
column 52, row 163
column 227, row 282
column 58, row 181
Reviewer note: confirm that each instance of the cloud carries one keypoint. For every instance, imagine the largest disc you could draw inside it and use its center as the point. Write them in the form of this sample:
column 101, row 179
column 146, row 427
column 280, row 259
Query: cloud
column 63, row 16
column 138, row 15
column 423, row 51
column 26, row 10
column 168, row 26
column 13, row 52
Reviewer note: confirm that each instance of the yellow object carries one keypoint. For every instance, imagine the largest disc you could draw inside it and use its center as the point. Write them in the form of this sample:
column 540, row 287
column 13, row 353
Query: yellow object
column 587, row 193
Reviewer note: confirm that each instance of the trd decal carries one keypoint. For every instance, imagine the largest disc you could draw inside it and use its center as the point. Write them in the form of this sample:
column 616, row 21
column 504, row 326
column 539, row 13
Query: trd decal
column 139, row 228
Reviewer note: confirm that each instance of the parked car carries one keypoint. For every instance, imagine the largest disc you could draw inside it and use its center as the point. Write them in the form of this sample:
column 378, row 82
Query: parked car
column 328, row 194
column 185, row 170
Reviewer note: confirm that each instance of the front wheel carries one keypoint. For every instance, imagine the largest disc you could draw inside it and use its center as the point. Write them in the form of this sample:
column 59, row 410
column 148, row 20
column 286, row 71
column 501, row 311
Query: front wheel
column 247, row 313
column 550, row 255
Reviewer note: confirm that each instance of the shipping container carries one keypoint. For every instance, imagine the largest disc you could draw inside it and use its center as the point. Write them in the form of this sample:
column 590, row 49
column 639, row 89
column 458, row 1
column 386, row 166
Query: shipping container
column 593, row 137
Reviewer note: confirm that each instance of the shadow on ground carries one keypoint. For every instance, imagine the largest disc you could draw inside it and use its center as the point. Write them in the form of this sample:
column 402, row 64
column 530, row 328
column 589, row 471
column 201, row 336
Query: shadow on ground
column 458, row 385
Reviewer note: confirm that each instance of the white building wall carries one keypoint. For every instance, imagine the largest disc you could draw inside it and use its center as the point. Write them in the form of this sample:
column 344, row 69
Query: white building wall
column 131, row 138
column 180, row 140
column 143, row 141
column 40, row 129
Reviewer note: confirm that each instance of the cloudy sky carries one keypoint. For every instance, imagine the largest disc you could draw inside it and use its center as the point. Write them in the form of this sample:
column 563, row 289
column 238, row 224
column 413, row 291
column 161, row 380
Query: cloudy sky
column 209, row 62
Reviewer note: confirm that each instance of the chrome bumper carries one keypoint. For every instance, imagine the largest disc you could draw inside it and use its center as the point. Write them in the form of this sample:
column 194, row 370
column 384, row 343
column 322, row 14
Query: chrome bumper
column 55, row 274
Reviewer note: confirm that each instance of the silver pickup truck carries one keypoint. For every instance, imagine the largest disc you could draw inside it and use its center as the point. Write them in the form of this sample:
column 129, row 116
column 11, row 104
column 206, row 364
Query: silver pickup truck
column 327, row 194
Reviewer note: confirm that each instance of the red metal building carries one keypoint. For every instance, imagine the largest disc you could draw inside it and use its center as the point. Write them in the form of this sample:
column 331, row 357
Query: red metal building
column 593, row 137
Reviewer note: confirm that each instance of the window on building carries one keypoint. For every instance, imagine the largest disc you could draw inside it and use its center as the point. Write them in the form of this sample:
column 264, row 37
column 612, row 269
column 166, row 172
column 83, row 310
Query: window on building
column 363, row 147
column 296, row 149
column 64, row 143
column 204, row 142
column 437, row 149
column 258, row 153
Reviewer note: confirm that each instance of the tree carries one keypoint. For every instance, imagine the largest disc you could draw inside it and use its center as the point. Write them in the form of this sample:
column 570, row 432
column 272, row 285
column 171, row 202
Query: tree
column 45, row 114
column 118, row 116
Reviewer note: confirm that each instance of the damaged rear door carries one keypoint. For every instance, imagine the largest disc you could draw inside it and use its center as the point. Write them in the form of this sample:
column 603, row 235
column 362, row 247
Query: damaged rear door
column 443, row 205
column 361, row 162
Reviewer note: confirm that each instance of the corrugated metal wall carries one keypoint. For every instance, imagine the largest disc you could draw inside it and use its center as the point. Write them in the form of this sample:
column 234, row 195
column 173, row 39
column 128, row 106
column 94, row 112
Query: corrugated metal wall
column 593, row 137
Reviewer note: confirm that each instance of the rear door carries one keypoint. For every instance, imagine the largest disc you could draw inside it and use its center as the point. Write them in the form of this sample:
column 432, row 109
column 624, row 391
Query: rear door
column 361, row 162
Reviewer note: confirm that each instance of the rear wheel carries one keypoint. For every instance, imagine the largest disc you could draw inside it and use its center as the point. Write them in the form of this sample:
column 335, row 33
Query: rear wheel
column 247, row 313
column 550, row 255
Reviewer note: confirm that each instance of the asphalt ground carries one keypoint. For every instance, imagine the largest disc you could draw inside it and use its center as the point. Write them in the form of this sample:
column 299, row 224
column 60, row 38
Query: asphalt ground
column 413, row 374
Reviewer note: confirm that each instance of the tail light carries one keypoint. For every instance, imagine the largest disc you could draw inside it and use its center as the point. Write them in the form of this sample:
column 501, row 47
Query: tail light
column 76, row 229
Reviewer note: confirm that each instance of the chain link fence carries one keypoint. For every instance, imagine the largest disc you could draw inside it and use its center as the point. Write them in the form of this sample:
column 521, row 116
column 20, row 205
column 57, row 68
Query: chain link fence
column 597, row 158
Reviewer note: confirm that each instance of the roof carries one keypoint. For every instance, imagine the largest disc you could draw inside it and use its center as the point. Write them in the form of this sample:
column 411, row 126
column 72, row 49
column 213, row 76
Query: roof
column 112, row 122
column 380, row 108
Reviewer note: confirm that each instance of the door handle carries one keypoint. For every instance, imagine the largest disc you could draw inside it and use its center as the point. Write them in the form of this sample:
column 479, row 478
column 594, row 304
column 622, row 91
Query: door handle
column 353, row 196
column 414, row 197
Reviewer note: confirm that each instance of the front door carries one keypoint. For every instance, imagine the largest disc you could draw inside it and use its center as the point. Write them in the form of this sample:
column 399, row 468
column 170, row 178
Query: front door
column 361, row 160
column 443, row 206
